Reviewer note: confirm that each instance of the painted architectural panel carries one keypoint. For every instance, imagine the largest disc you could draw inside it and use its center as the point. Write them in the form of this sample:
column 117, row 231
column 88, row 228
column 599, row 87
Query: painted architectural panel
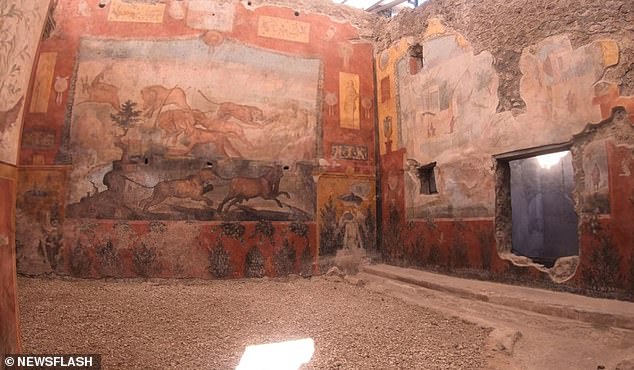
column 283, row 29
column 351, row 152
column 43, row 82
column 40, row 202
column 122, row 11
column 390, row 134
column 38, row 139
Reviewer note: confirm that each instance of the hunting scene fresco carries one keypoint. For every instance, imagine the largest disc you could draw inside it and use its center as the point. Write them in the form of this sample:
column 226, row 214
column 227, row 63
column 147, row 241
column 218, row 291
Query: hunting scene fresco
column 185, row 129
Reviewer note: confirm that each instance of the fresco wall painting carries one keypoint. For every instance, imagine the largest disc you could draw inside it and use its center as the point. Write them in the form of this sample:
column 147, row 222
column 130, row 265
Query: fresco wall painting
column 41, row 201
column 595, row 166
column 121, row 11
column 349, row 107
column 346, row 138
column 263, row 136
column 209, row 15
column 21, row 22
column 283, row 29
column 157, row 144
column 43, row 82
column 447, row 112
column 9, row 330
column 389, row 119
column 437, row 106
column 347, row 221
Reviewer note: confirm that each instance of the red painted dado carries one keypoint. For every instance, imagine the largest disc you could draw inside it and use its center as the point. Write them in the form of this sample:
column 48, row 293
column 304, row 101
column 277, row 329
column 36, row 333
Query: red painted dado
column 455, row 244
column 149, row 249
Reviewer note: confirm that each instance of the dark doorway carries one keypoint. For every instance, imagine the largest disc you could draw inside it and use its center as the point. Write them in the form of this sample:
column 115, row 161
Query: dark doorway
column 543, row 211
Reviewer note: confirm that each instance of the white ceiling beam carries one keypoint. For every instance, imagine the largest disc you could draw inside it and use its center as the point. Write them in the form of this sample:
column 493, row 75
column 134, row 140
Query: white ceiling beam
column 386, row 6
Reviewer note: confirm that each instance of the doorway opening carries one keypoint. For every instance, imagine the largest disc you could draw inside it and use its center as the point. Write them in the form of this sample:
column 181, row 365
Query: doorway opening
column 535, row 199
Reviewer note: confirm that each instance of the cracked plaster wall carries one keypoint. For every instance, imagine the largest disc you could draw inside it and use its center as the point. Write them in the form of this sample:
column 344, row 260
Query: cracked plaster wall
column 552, row 69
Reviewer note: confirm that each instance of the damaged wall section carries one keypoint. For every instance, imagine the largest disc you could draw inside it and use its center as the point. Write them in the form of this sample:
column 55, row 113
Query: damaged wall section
column 488, row 85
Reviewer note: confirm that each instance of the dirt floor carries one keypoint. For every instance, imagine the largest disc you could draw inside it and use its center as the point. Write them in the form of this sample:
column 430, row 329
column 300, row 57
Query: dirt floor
column 161, row 324
column 522, row 339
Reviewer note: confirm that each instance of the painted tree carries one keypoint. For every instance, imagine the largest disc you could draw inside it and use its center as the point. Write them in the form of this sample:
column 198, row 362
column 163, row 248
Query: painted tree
column 126, row 118
column 329, row 238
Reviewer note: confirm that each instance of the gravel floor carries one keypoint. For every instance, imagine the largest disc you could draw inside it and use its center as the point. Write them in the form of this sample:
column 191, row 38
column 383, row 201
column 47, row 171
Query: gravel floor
column 163, row 324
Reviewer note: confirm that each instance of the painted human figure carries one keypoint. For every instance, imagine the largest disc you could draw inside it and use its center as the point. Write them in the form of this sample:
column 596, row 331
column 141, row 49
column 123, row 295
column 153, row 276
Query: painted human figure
column 350, row 99
column 352, row 231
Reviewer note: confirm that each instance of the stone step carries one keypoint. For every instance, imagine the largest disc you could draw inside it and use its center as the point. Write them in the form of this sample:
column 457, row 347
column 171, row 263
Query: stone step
column 614, row 313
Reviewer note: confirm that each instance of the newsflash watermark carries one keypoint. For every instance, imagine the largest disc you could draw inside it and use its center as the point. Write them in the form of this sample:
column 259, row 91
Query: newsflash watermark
column 49, row 362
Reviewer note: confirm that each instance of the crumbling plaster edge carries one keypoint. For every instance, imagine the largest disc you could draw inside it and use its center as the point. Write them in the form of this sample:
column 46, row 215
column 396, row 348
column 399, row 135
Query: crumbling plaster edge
column 565, row 268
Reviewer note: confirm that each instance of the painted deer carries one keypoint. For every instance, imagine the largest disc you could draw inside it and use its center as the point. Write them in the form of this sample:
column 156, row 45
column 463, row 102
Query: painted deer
column 101, row 92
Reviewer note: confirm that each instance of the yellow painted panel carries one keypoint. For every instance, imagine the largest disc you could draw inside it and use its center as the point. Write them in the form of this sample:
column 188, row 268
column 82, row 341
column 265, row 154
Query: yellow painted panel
column 133, row 12
column 43, row 82
column 283, row 29
column 349, row 107
column 386, row 67
column 610, row 51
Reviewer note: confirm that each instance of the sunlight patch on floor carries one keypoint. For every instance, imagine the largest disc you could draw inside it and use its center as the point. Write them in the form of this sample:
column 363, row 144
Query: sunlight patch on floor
column 289, row 355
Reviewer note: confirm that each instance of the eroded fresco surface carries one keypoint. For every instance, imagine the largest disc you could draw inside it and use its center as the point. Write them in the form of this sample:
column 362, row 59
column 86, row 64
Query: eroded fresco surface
column 20, row 30
column 187, row 138
column 438, row 106
column 346, row 214
column 448, row 114
column 20, row 24
column 437, row 102
column 183, row 109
